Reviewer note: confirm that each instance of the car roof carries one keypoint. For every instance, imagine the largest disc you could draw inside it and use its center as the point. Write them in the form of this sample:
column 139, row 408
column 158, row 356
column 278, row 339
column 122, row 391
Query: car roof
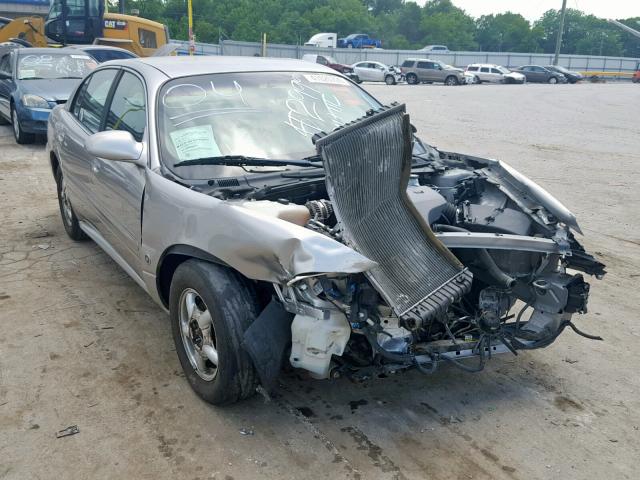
column 101, row 47
column 181, row 66
column 37, row 51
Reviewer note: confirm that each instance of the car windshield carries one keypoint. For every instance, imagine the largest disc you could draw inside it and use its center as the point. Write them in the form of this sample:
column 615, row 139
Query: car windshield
column 503, row 70
column 270, row 115
column 330, row 59
column 558, row 69
column 54, row 66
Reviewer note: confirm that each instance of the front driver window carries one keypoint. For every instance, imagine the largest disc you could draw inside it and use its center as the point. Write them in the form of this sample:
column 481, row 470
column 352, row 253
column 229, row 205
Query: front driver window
column 91, row 98
column 128, row 107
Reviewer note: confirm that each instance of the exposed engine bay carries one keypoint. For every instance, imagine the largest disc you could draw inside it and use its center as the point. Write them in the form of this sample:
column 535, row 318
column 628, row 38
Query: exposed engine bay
column 457, row 241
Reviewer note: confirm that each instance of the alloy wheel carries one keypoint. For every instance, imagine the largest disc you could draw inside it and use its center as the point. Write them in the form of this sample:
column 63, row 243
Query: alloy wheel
column 198, row 334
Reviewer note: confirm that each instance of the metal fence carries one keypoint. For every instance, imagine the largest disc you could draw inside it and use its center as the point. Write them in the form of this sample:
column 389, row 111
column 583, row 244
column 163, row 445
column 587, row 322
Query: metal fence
column 396, row 57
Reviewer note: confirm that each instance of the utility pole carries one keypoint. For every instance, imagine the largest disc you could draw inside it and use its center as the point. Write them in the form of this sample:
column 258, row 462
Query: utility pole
column 560, row 30
column 192, row 40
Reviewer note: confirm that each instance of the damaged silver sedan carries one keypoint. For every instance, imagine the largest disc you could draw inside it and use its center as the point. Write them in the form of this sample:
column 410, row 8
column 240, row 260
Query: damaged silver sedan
column 282, row 215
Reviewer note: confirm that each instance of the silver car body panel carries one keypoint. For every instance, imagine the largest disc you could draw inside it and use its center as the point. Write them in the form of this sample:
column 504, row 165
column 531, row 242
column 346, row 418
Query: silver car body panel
column 257, row 245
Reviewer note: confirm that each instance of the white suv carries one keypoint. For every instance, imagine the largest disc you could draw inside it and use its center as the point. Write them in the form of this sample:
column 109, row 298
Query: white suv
column 488, row 72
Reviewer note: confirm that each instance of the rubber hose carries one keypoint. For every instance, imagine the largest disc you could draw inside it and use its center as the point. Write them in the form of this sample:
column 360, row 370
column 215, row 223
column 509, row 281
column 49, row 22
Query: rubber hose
column 495, row 272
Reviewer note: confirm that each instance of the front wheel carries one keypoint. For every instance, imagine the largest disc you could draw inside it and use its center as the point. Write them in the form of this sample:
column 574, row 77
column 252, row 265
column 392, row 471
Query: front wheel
column 390, row 80
column 451, row 80
column 20, row 135
column 210, row 308
column 553, row 80
column 412, row 79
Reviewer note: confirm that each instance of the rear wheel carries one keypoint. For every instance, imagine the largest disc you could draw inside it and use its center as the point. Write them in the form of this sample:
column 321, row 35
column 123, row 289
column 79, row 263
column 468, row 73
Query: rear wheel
column 20, row 135
column 210, row 308
column 553, row 80
column 390, row 80
column 412, row 79
column 451, row 80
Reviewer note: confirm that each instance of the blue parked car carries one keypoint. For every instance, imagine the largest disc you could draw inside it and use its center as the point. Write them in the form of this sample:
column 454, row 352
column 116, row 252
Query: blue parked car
column 359, row 40
column 33, row 81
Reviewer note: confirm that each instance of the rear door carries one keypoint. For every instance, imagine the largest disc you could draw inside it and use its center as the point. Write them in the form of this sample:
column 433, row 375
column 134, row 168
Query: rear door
column 82, row 120
column 539, row 74
column 119, row 186
column 528, row 73
column 363, row 70
column 426, row 72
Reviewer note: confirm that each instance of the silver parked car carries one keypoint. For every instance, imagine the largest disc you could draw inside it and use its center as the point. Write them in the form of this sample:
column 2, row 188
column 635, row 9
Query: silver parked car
column 369, row 71
column 266, row 205
column 417, row 70
column 491, row 73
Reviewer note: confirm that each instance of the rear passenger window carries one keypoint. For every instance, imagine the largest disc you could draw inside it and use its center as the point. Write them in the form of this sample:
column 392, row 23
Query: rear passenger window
column 88, row 106
column 425, row 65
column 128, row 107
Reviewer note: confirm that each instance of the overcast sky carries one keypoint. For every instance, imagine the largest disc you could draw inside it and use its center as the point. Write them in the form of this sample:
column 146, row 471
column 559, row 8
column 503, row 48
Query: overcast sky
column 533, row 9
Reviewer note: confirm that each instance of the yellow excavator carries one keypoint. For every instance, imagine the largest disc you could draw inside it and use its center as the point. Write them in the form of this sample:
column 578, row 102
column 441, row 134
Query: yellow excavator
column 83, row 22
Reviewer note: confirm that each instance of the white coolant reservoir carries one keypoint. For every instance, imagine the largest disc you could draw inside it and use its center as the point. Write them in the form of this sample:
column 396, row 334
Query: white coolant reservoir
column 314, row 340
column 289, row 212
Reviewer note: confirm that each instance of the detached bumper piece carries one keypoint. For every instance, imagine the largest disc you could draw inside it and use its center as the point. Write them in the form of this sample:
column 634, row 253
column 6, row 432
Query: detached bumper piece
column 367, row 165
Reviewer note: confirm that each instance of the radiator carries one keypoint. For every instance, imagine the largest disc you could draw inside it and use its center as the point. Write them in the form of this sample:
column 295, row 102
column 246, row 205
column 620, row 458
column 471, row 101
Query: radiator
column 367, row 165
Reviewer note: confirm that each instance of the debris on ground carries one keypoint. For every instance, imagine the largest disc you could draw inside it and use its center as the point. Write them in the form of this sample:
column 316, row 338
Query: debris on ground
column 246, row 431
column 65, row 432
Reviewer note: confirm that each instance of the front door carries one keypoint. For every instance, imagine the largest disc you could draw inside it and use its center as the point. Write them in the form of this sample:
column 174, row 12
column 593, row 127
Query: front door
column 119, row 186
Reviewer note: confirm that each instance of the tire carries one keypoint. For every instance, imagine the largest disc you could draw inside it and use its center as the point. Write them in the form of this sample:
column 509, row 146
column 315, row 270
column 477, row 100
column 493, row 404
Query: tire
column 357, row 80
column 477, row 80
column 20, row 135
column 412, row 79
column 390, row 80
column 69, row 219
column 232, row 307
column 451, row 81
column 553, row 80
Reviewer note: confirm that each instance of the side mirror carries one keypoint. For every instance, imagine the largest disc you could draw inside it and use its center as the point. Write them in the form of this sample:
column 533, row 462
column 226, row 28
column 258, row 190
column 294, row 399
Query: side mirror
column 116, row 145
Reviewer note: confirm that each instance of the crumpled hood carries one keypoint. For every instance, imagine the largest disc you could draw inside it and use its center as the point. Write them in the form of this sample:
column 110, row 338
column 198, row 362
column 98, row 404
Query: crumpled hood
column 52, row 90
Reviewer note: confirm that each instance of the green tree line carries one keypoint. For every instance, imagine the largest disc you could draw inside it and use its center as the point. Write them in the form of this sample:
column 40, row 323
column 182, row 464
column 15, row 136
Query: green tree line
column 399, row 24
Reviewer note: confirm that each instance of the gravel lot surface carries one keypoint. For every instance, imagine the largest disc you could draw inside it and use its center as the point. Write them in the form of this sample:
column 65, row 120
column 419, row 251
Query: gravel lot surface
column 81, row 344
